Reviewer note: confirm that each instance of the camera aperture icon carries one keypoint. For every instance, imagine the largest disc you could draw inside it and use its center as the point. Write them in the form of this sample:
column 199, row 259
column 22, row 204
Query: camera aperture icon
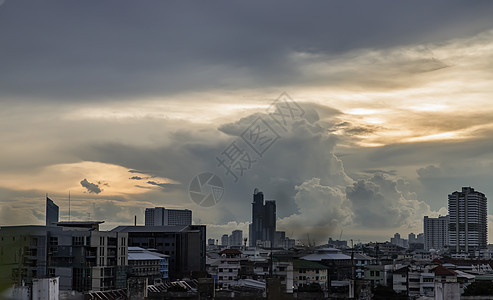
column 206, row 189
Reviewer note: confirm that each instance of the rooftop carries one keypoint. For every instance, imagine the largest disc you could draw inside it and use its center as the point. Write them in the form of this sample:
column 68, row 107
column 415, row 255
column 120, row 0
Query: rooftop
column 326, row 256
column 442, row 271
column 170, row 229
column 306, row 264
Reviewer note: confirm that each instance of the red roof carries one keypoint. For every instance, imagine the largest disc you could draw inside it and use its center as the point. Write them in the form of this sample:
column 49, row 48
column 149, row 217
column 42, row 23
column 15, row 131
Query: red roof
column 230, row 251
column 442, row 271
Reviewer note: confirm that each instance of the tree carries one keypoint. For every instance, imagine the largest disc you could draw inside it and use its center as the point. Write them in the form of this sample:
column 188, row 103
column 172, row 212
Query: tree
column 479, row 288
column 382, row 292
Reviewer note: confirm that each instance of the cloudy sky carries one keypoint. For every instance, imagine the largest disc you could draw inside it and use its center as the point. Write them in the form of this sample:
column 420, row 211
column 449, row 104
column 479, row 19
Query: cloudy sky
column 122, row 103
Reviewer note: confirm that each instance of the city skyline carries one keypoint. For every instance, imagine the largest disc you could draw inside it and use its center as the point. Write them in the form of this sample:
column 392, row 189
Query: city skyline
column 124, row 111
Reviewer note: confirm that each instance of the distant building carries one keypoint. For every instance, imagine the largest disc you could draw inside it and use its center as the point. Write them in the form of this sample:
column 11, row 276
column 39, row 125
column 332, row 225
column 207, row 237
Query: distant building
column 236, row 238
column 263, row 226
column 210, row 242
column 468, row 220
column 337, row 244
column 225, row 240
column 398, row 241
column 160, row 216
column 436, row 234
column 52, row 212
column 411, row 238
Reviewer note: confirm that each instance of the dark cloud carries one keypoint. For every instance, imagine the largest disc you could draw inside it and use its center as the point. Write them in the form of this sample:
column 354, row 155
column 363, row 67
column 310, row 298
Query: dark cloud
column 122, row 49
column 165, row 186
column 91, row 187
column 135, row 178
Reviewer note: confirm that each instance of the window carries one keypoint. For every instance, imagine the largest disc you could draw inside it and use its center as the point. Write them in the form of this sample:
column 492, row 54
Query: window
column 372, row 273
column 377, row 273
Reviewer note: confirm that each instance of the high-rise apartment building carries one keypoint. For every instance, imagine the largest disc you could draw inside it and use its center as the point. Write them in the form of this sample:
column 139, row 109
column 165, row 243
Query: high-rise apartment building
column 236, row 238
column 51, row 212
column 468, row 220
column 436, row 234
column 160, row 216
column 225, row 240
column 263, row 226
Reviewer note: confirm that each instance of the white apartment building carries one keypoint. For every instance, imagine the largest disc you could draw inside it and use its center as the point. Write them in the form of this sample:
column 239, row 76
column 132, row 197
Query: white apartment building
column 468, row 220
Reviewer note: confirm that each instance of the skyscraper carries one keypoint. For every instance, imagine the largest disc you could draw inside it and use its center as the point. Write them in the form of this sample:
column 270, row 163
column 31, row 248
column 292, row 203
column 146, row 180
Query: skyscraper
column 236, row 238
column 468, row 220
column 51, row 212
column 160, row 216
column 263, row 226
column 436, row 234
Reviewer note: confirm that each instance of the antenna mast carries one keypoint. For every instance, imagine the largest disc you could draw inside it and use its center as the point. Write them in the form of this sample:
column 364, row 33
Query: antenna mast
column 69, row 206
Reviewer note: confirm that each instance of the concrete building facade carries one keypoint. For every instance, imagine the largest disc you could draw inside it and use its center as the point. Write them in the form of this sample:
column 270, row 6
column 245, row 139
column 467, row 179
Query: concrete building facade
column 84, row 258
column 185, row 245
column 160, row 216
column 436, row 232
column 467, row 220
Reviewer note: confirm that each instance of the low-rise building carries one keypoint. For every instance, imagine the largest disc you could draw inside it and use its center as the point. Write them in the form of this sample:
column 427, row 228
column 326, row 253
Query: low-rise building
column 229, row 267
column 399, row 280
column 144, row 263
column 376, row 274
column 306, row 272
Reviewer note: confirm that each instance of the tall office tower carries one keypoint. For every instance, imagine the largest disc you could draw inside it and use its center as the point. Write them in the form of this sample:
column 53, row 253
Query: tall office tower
column 468, row 220
column 160, row 216
column 236, row 238
column 51, row 212
column 436, row 234
column 263, row 227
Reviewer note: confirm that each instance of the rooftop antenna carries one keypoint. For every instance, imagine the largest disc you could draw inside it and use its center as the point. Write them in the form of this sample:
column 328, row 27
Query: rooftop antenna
column 69, row 206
